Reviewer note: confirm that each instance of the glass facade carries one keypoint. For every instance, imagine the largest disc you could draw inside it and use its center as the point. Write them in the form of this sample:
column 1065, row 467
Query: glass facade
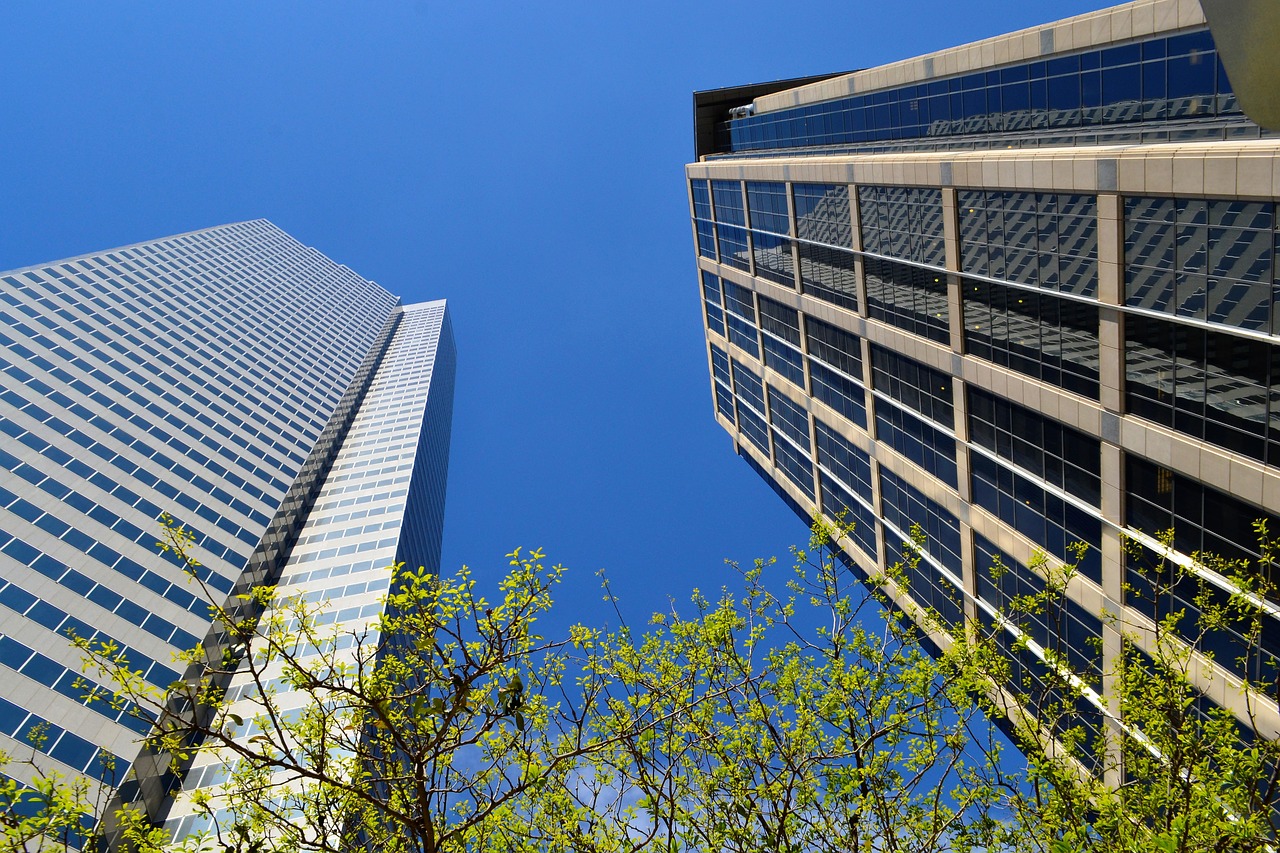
column 1163, row 79
column 197, row 375
column 381, row 503
column 1047, row 338
column 1116, row 307
column 1044, row 239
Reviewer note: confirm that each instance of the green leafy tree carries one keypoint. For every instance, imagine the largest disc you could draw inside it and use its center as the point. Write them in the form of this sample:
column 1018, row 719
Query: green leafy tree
column 793, row 714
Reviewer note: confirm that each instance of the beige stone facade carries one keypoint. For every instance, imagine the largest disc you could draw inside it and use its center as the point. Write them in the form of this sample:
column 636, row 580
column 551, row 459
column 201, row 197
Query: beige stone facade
column 1218, row 171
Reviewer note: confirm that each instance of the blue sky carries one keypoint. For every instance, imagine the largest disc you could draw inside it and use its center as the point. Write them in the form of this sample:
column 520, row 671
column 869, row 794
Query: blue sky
column 523, row 161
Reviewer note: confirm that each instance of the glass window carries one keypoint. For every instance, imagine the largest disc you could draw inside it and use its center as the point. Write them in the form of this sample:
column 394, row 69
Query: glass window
column 731, row 233
column 1053, row 621
column 1047, row 520
column 1158, row 80
column 1209, row 522
column 905, row 507
column 1066, row 458
column 911, row 298
column 919, row 387
column 919, row 441
column 822, row 214
column 1209, row 259
column 1210, row 385
column 1045, row 337
column 903, row 222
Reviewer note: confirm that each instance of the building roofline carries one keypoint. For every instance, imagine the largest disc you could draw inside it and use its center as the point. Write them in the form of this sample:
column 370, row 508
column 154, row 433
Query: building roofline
column 1126, row 22
column 711, row 106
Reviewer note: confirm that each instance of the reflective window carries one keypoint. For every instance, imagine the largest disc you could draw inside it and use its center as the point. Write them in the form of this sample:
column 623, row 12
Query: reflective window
column 1045, row 692
column 1204, row 521
column 781, row 327
column 703, row 220
column 1210, row 385
column 770, row 230
column 1047, row 520
column 731, row 219
column 1045, row 337
column 711, row 303
column 750, row 407
column 835, row 369
column 1043, row 239
column 1210, row 259
column 903, row 222
column 834, row 346
column 1056, row 623
column 913, row 384
column 790, row 425
column 1064, row 457
column 788, row 417
column 839, row 392
column 740, row 317
column 905, row 507
column 822, row 214
column 829, row 274
column 845, row 472
column 917, row 440
column 1162, row 79
column 721, row 383
column 911, row 298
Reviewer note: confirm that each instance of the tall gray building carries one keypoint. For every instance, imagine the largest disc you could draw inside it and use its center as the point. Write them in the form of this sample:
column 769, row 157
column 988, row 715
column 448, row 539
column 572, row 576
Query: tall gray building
column 1020, row 293
column 291, row 412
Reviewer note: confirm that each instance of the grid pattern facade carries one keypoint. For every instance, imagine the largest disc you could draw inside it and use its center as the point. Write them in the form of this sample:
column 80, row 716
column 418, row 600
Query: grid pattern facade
column 1027, row 351
column 382, row 502
column 193, row 375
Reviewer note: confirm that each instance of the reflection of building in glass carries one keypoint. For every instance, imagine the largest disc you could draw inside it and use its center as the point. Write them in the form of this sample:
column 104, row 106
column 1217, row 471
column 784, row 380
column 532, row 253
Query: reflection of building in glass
column 1031, row 304
column 226, row 376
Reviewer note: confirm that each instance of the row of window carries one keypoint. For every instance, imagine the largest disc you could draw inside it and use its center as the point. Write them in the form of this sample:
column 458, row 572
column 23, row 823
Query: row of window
column 129, row 404
column 218, row 541
column 1160, row 79
column 1049, row 240
column 67, row 747
column 1206, row 521
column 75, row 685
column 1214, row 386
column 171, row 370
column 221, row 539
column 212, row 281
column 97, row 550
column 1205, row 259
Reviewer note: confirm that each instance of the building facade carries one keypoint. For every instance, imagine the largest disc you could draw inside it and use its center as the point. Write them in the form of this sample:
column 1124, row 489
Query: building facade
column 292, row 413
column 1019, row 294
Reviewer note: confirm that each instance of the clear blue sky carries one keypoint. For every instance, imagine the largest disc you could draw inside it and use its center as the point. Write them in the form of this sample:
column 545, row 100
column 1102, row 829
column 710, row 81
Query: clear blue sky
column 523, row 161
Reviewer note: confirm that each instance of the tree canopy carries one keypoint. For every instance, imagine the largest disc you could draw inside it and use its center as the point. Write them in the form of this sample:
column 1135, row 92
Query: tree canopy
column 792, row 710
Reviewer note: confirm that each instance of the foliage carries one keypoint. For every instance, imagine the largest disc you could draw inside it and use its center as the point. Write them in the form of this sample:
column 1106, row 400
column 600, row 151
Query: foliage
column 804, row 716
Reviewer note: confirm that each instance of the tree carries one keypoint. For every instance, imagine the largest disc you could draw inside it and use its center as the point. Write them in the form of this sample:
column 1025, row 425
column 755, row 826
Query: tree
column 804, row 716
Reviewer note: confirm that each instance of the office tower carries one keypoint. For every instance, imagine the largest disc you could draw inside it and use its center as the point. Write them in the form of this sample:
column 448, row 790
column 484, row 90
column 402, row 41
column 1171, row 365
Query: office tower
column 381, row 503
column 1018, row 293
column 289, row 411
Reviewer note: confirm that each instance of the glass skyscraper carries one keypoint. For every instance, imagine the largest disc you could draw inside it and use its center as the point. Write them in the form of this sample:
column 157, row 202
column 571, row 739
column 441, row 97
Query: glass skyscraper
column 1018, row 294
column 292, row 413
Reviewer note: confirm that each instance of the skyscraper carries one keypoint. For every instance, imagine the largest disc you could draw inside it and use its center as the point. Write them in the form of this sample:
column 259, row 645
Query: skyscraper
column 1017, row 293
column 289, row 411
